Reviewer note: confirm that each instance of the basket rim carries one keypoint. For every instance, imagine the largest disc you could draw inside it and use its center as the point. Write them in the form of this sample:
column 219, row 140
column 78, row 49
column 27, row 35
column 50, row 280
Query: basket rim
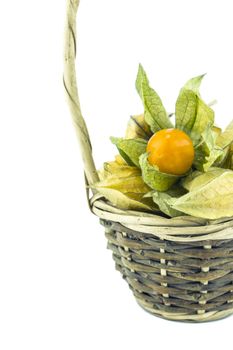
column 180, row 229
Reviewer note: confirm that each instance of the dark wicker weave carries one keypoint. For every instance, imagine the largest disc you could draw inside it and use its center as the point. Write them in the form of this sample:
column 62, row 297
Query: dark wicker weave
column 180, row 268
column 191, row 281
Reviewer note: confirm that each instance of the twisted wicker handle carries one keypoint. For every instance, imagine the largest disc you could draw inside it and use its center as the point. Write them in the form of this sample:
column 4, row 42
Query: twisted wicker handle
column 72, row 93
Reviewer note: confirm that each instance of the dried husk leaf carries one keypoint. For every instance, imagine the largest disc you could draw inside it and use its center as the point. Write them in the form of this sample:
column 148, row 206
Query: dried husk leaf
column 216, row 129
column 138, row 128
column 210, row 199
column 197, row 179
column 130, row 184
column 228, row 161
column 119, row 160
column 117, row 170
column 226, row 138
column 121, row 200
column 124, row 187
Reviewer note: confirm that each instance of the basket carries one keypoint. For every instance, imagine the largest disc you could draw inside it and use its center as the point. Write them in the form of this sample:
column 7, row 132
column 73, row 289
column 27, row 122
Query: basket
column 180, row 268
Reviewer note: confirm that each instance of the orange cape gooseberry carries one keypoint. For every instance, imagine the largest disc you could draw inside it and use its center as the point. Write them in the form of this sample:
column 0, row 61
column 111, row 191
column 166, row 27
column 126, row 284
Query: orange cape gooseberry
column 171, row 150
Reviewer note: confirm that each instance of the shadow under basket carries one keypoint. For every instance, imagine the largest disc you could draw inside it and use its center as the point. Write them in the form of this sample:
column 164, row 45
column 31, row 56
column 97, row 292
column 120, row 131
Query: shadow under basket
column 179, row 269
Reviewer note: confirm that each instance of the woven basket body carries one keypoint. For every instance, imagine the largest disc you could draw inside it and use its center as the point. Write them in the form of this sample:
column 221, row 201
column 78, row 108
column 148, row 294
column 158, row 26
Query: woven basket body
column 178, row 281
column 178, row 269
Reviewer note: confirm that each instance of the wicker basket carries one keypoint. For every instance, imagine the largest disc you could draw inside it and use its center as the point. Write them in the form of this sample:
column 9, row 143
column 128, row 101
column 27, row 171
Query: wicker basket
column 180, row 268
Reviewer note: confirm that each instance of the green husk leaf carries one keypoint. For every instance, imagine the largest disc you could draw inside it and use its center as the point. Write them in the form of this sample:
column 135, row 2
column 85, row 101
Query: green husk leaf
column 138, row 128
column 154, row 178
column 186, row 107
column 194, row 84
column 130, row 149
column 141, row 79
column 204, row 118
column 215, row 154
column 193, row 115
column 165, row 202
column 207, row 152
column 154, row 111
column 226, row 138
column 210, row 198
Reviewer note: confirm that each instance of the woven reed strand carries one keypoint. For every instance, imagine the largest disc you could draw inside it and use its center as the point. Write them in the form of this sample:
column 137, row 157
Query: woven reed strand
column 178, row 281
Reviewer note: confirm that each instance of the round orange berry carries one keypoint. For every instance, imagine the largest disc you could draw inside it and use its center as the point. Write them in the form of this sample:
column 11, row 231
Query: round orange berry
column 171, row 150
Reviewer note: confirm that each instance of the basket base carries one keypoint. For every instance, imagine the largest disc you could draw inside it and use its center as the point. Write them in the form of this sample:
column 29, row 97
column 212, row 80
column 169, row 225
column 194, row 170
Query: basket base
column 195, row 318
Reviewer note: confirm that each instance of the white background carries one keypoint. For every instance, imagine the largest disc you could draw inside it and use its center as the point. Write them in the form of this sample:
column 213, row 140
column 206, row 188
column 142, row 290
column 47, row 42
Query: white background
column 58, row 286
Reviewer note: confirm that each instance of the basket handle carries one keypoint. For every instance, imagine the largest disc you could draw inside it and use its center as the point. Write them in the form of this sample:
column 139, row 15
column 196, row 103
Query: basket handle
column 70, row 85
